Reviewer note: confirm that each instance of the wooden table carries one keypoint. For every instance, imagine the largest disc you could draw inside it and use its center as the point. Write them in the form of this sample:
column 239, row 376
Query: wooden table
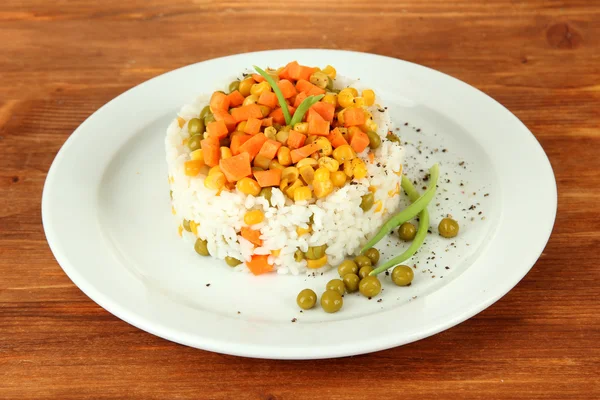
column 60, row 63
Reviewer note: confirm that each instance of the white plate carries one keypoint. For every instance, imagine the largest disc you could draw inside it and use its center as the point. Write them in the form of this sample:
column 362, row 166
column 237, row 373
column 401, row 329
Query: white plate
column 107, row 218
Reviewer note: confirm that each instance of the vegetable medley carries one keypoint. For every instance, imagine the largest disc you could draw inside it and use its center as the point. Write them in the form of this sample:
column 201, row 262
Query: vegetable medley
column 286, row 128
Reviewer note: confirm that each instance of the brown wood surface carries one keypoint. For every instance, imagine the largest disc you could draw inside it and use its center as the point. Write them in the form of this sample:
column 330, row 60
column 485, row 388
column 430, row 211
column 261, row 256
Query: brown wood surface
column 61, row 60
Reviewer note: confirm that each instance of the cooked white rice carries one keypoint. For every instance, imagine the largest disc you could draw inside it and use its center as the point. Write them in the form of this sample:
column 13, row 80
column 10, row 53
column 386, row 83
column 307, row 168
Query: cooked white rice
column 338, row 220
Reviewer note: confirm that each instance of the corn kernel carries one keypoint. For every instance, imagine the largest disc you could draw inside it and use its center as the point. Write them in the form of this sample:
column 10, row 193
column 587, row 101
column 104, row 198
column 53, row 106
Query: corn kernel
column 322, row 189
column 252, row 99
column 225, row 153
column 214, row 170
column 275, row 253
column 192, row 167
column 369, row 97
column 271, row 132
column 338, row 178
column 290, row 173
column 344, row 153
column 330, row 98
column 303, row 231
column 275, row 165
column 180, row 122
column 284, row 156
column 194, row 227
column 307, row 173
column 245, row 86
column 216, row 181
column 359, row 102
column 282, row 136
column 301, row 127
column 292, row 188
column 306, row 161
column 345, row 98
column 319, row 79
column 378, row 206
column 197, row 155
column 248, row 186
column 259, row 88
column 359, row 168
column 322, row 174
column 353, row 91
column 324, row 144
column 348, row 170
column 264, row 110
column 329, row 163
column 302, row 193
column 318, row 263
column 241, row 126
column 330, row 71
column 372, row 189
column 254, row 217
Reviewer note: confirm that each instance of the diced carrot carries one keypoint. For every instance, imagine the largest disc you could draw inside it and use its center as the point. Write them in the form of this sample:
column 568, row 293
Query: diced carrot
column 359, row 141
column 284, row 73
column 295, row 139
column 269, row 149
column 267, row 121
column 224, row 116
column 211, row 150
column 253, row 126
column 258, row 78
column 287, row 88
column 354, row 116
column 268, row 99
column 308, row 88
column 312, row 114
column 219, row 101
column 259, row 264
column 244, row 112
column 303, row 152
column 271, row 177
column 371, row 157
column 336, row 138
column 351, row 131
column 325, row 110
column 251, row 235
column 297, row 71
column 253, row 145
column 299, row 99
column 235, row 98
column 236, row 142
column 217, row 129
column 236, row 167
column 277, row 115
column 318, row 127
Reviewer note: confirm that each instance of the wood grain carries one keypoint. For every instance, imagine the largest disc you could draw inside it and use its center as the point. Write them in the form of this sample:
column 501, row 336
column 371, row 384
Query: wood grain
column 60, row 61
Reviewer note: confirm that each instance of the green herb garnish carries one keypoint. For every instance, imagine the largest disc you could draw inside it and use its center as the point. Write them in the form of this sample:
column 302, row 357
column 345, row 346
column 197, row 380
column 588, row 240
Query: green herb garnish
column 277, row 91
column 303, row 108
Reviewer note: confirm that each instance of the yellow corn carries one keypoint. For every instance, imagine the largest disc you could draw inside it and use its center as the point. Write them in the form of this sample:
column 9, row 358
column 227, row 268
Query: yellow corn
column 180, row 122
column 259, row 88
column 338, row 178
column 345, row 98
column 359, row 168
column 353, row 91
column 192, row 167
column 197, row 155
column 359, row 101
column 348, row 170
column 180, row 230
column 303, row 231
column 324, row 146
column 245, row 86
column 329, row 163
column 265, row 110
column 302, row 193
column 307, row 173
column 301, row 127
column 241, row 126
column 292, row 188
column 248, row 186
column 330, row 71
column 283, row 184
column 369, row 97
column 395, row 191
column 284, row 156
column 275, row 253
column 306, row 161
column 225, row 153
column 194, row 227
column 214, row 170
column 254, row 217
column 282, row 136
column 372, row 189
column 318, row 263
column 344, row 153
column 319, row 79
column 252, row 99
column 215, row 181
column 330, row 98
column 379, row 206
column 271, row 132
column 322, row 189
column 315, row 155
column 322, row 174
column 310, row 139
column 275, row 165
column 290, row 173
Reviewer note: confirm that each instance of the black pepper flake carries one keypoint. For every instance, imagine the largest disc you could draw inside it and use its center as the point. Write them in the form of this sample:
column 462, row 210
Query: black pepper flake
column 472, row 207
column 208, row 284
column 461, row 163
column 444, row 150
column 419, row 130
column 239, row 312
column 380, row 300
column 294, row 320
column 406, row 124
column 447, row 267
column 486, row 195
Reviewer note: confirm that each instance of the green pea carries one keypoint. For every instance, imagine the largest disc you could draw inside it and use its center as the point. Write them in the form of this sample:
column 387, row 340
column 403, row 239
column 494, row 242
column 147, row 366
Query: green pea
column 232, row 262
column 337, row 285
column 373, row 255
column 186, row 225
column 267, row 193
column 306, row 299
column 315, row 252
column 347, row 267
column 448, row 228
column 402, row 275
column 208, row 119
column 363, row 272
column 363, row 261
column 194, row 142
column 351, row 282
column 374, row 139
column 196, row 126
column 331, row 301
column 367, row 201
column 407, row 231
column 205, row 111
column 233, row 86
column 201, row 247
column 369, row 286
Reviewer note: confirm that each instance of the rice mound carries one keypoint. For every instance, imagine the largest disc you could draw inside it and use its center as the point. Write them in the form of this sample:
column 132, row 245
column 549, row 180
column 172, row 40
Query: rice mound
column 337, row 220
